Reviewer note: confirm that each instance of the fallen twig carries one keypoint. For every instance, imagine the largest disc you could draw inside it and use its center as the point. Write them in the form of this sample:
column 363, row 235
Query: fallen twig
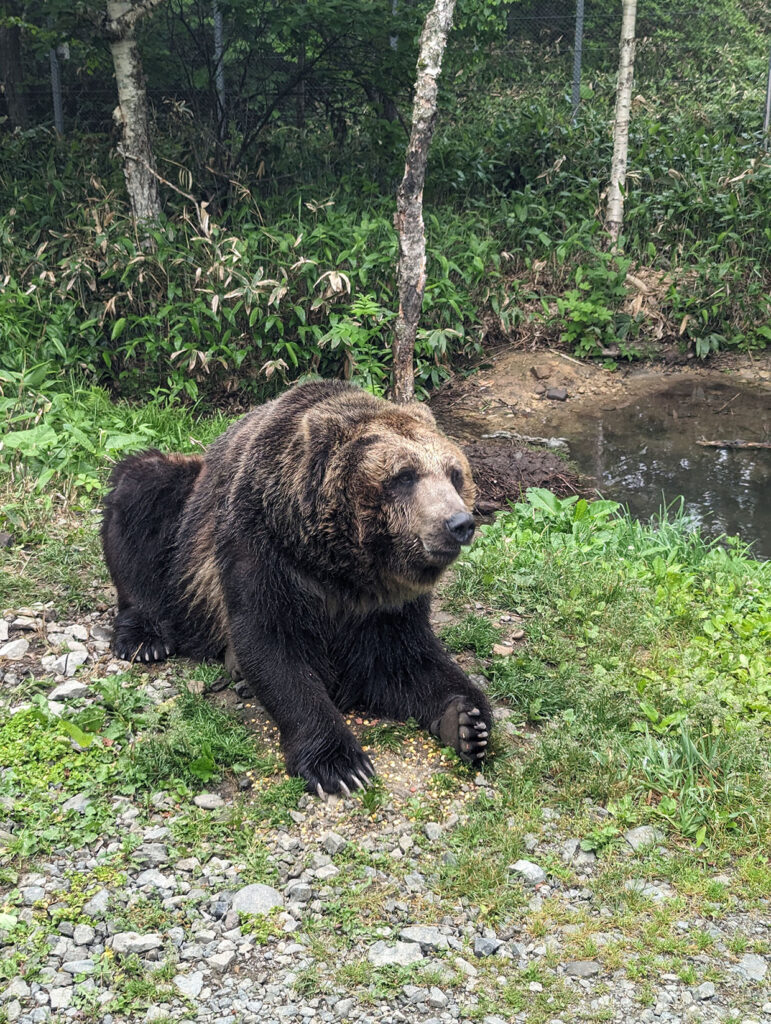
column 734, row 444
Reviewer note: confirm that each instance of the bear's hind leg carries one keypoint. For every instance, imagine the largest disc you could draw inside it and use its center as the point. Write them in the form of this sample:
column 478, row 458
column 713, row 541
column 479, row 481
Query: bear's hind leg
column 136, row 638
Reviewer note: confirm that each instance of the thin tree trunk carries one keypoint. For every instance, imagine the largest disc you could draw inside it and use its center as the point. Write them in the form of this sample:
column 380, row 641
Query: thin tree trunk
column 219, row 67
column 138, row 163
column 12, row 75
column 408, row 221
column 614, row 220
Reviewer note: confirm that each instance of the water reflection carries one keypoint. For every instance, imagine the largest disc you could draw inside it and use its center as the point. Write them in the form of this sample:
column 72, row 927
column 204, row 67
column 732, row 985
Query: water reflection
column 648, row 449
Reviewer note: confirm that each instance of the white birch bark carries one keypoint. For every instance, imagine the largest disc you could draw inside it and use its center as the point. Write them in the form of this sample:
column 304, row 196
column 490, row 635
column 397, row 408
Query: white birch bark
column 614, row 218
column 411, row 274
column 138, row 163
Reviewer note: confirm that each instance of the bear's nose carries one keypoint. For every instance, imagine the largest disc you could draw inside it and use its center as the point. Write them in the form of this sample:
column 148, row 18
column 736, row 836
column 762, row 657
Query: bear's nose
column 460, row 527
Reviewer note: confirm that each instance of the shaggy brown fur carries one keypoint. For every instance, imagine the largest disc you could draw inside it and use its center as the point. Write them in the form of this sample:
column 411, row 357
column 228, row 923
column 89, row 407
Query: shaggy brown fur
column 305, row 544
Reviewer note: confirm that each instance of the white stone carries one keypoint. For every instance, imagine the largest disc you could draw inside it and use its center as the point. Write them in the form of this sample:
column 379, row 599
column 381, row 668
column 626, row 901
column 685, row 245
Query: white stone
column 208, row 801
column 69, row 663
column 752, row 966
column 189, row 985
column 15, row 650
column 426, row 936
column 68, row 691
column 257, row 899
column 401, row 953
column 61, row 998
column 644, row 835
column 16, row 989
column 133, row 942
column 528, row 871
column 221, row 961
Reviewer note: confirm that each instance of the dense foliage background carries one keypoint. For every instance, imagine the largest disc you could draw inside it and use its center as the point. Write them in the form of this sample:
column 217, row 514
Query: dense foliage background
column 275, row 254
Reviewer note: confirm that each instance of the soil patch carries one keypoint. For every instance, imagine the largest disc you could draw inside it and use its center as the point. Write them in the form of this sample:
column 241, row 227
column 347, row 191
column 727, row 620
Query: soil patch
column 504, row 469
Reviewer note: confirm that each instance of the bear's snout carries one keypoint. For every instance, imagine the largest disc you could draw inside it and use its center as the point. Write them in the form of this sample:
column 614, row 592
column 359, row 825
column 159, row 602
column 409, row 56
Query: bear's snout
column 460, row 527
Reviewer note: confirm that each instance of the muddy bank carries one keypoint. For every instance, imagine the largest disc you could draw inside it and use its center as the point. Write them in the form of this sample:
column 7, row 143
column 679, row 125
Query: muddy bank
column 504, row 469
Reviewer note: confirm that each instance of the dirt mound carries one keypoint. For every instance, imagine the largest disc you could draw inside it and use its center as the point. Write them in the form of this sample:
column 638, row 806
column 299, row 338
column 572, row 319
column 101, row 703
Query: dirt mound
column 504, row 469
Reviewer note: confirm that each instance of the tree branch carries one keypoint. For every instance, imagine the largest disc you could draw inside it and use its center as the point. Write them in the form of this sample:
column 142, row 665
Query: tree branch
column 118, row 28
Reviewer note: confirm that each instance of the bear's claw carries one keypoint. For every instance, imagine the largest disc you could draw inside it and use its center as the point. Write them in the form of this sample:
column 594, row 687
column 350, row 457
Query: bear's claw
column 148, row 651
column 341, row 772
column 462, row 728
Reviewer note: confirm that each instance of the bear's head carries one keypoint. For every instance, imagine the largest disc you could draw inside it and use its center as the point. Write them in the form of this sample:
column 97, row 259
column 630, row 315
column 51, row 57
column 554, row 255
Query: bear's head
column 400, row 491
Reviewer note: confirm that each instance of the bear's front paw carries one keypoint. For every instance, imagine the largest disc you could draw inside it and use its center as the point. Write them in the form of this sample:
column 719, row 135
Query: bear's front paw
column 463, row 728
column 339, row 768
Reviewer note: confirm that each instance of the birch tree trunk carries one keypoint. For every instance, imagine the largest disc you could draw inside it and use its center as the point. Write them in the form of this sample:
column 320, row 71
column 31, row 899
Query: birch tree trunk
column 138, row 163
column 411, row 274
column 614, row 219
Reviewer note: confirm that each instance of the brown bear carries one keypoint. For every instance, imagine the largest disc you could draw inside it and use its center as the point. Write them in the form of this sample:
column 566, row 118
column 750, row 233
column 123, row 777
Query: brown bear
column 303, row 548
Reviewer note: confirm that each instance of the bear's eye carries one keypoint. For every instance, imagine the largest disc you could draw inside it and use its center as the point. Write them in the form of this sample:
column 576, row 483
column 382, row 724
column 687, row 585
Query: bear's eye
column 404, row 479
column 456, row 479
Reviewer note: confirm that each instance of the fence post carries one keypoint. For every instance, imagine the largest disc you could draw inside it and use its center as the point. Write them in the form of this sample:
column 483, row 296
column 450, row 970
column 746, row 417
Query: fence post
column 56, row 90
column 578, row 46
column 767, row 116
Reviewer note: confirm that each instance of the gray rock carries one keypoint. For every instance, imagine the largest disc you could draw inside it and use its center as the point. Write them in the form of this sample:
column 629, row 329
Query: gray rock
column 208, row 801
column 103, row 633
column 658, row 893
column 77, row 631
column 16, row 989
column 15, row 650
column 426, row 936
column 79, row 966
column 32, row 894
column 61, row 998
column 437, row 998
column 582, row 968
column 189, row 985
column 327, row 872
column 3, row 631
column 257, row 899
column 68, row 691
column 300, row 892
column 529, row 872
column 705, row 991
column 97, row 905
column 152, row 854
column 13, row 1011
column 126, row 943
column 77, row 803
column 557, row 394
column 486, row 947
column 221, row 961
column 573, row 854
column 344, row 1006
column 83, row 935
column 644, row 835
column 68, row 665
column 381, row 954
column 752, row 966
column 332, row 843
column 432, row 831
column 157, row 880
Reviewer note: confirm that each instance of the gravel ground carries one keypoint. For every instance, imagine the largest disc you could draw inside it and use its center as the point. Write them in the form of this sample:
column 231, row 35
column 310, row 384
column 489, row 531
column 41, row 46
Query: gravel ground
column 158, row 919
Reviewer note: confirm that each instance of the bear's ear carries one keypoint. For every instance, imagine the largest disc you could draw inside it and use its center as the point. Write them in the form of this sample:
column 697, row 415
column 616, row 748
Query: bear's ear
column 421, row 412
column 324, row 429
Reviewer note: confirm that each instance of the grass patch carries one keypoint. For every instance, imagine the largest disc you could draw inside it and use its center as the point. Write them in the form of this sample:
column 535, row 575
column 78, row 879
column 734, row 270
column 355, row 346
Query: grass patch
column 474, row 633
column 646, row 662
